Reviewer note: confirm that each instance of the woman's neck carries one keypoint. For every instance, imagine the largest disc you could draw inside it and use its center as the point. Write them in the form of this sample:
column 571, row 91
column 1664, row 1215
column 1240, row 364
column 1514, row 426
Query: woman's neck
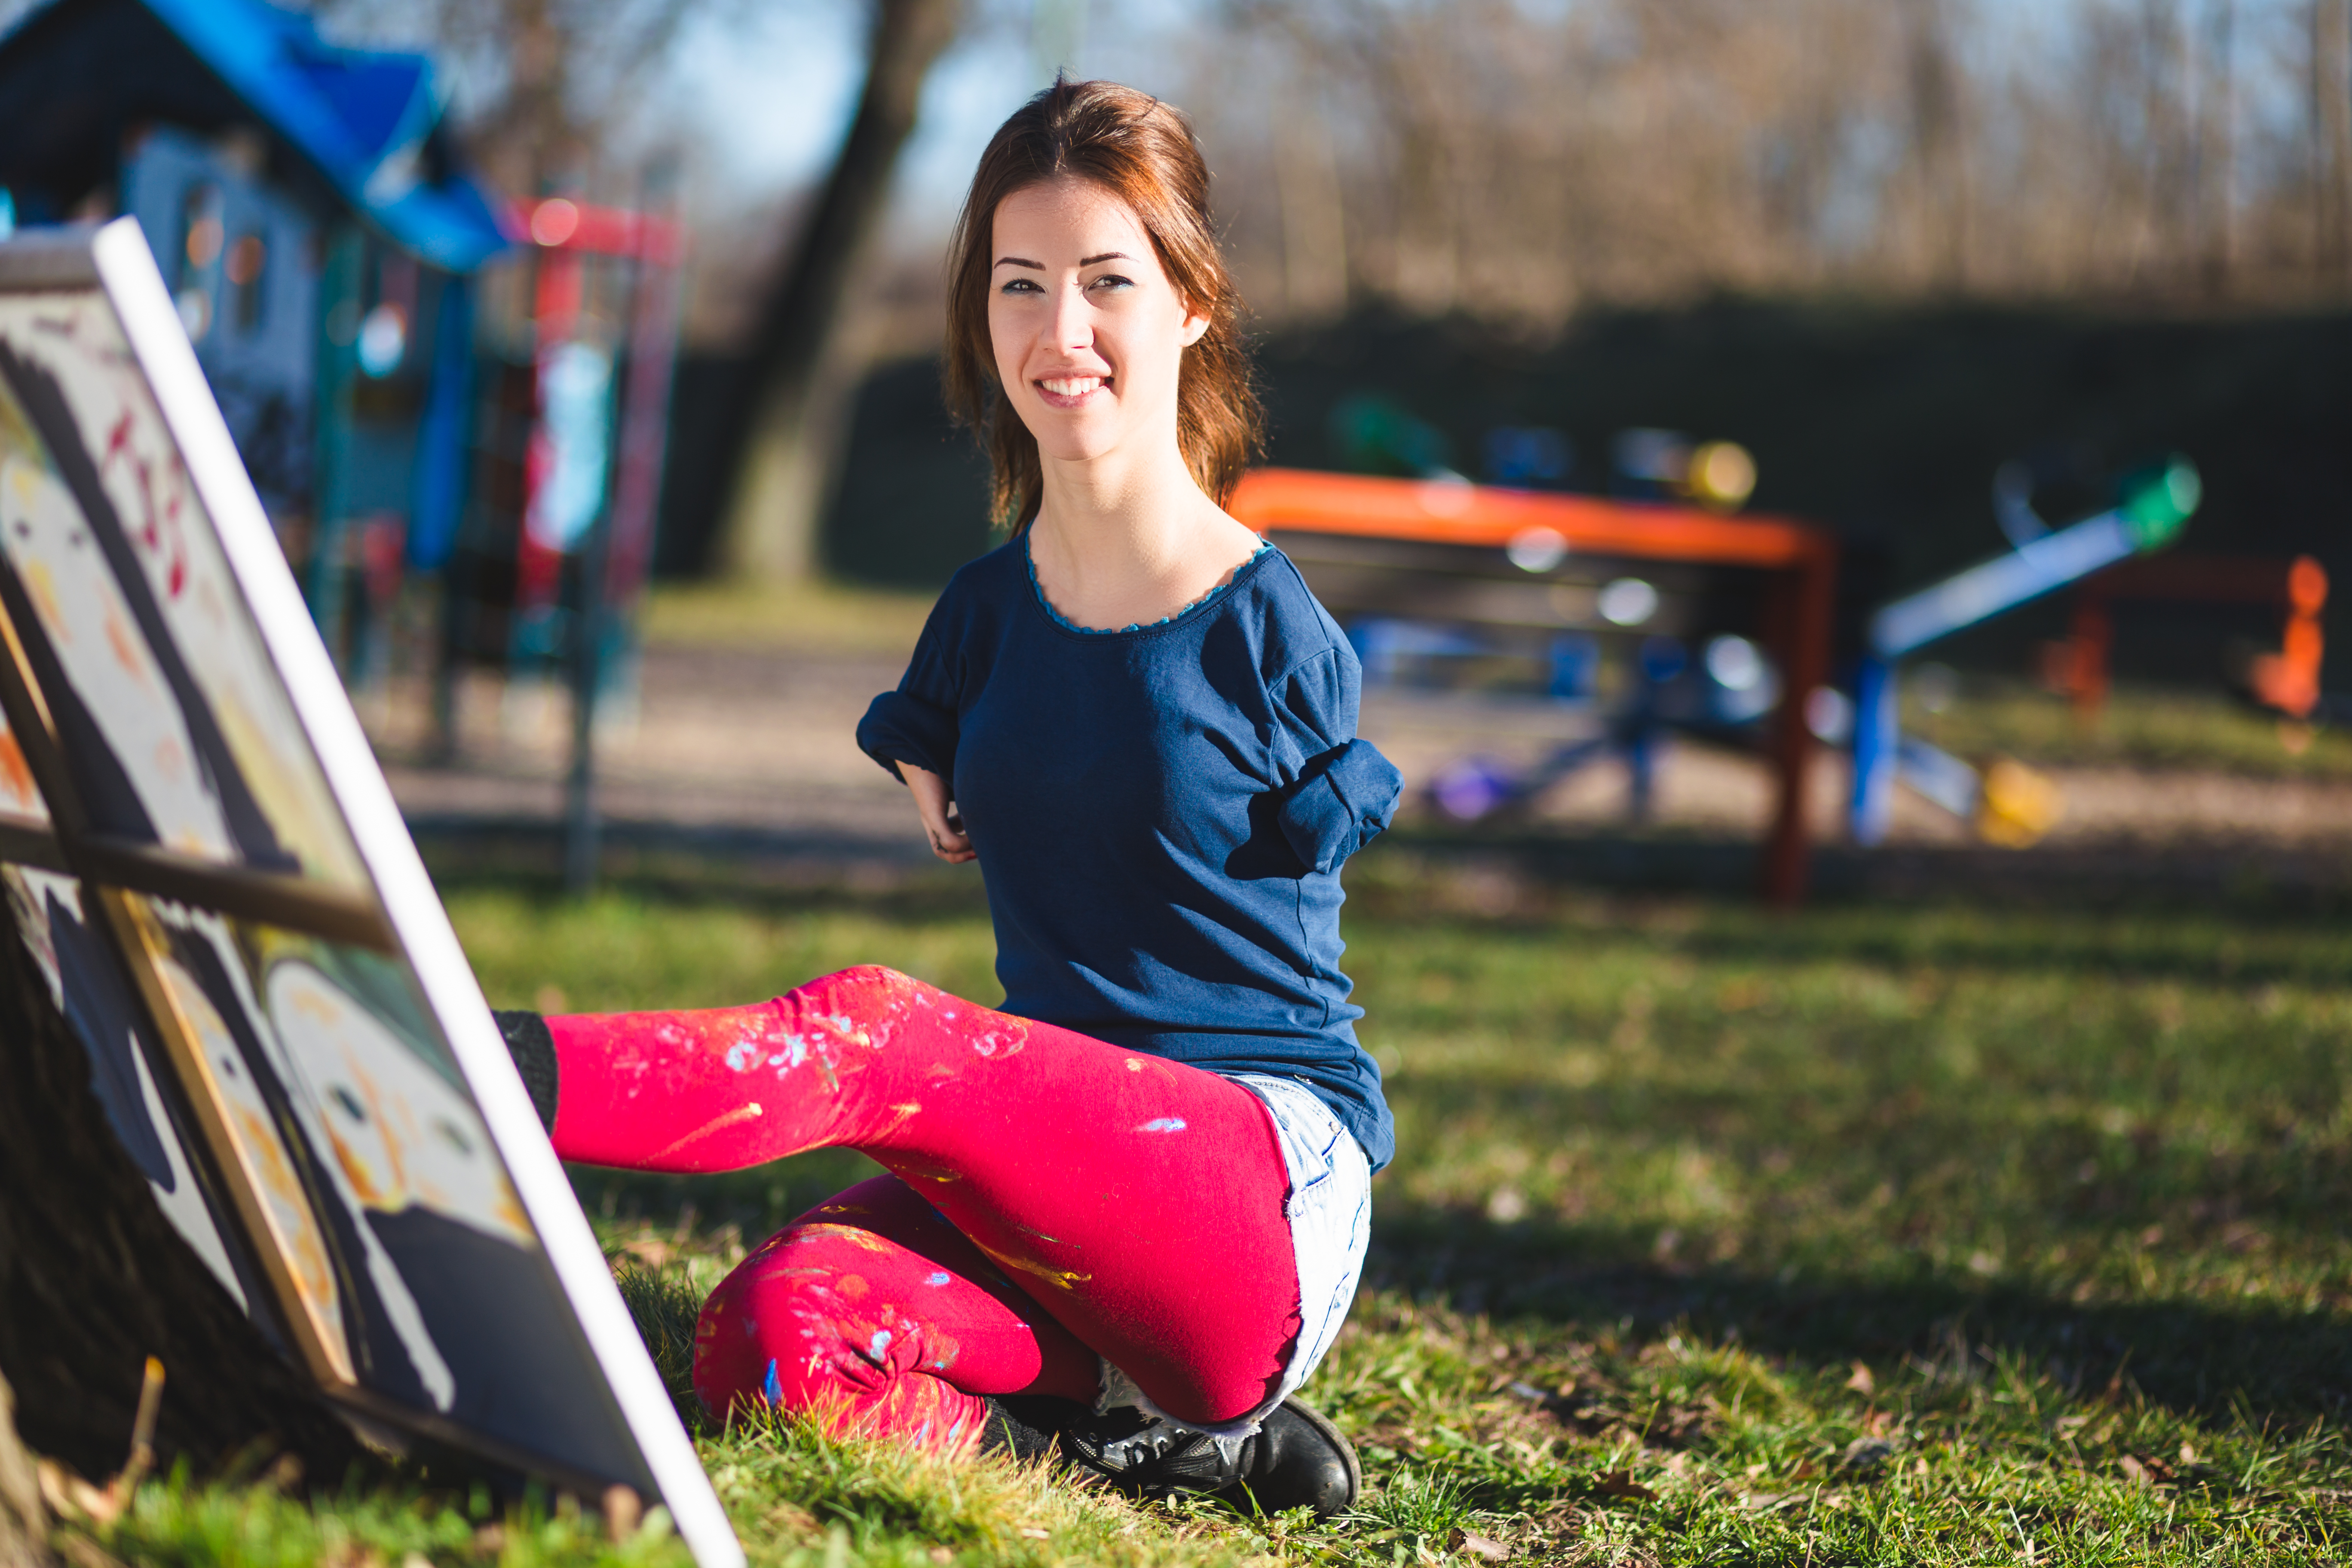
column 1117, row 543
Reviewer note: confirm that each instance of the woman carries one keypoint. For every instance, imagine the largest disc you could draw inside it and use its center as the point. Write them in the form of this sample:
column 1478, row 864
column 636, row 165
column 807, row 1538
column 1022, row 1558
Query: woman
column 1127, row 1210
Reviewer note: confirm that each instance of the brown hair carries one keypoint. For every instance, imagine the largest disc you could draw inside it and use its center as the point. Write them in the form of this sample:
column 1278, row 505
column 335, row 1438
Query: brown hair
column 1142, row 152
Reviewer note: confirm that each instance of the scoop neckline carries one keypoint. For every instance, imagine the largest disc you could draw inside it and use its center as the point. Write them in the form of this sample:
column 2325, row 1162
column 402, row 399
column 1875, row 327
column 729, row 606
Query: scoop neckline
column 1064, row 624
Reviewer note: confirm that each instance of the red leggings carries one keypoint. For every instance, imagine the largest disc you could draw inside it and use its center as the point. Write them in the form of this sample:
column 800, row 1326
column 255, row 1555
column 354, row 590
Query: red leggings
column 1051, row 1198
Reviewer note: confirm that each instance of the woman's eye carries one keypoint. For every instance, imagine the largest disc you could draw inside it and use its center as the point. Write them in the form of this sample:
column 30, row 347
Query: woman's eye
column 1112, row 280
column 1021, row 286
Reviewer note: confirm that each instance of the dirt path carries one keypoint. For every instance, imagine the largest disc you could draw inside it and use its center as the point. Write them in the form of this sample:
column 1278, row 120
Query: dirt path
column 732, row 740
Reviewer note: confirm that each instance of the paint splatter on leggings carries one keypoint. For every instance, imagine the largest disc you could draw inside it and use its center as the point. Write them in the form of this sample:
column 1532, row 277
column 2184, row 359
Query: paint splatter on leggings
column 1051, row 1198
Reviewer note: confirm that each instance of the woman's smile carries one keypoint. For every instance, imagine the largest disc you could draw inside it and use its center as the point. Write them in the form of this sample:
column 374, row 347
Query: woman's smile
column 1070, row 391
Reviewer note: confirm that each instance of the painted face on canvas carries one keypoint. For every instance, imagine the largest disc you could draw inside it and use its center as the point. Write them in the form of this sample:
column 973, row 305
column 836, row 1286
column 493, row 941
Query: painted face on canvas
column 1089, row 332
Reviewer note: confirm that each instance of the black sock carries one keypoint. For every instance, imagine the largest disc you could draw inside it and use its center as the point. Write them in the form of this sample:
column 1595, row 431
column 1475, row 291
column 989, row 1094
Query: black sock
column 533, row 1050
column 1026, row 1424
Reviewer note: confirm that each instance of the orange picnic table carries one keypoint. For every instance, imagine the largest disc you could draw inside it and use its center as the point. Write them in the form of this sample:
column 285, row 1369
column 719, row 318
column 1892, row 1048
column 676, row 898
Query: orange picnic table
column 1484, row 554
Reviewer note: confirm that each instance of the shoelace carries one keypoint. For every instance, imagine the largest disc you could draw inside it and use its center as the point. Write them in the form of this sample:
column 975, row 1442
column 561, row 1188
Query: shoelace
column 1178, row 1454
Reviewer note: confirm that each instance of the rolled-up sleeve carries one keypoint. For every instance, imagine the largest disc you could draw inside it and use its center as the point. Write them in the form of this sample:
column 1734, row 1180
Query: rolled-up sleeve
column 919, row 722
column 899, row 726
column 1341, row 805
column 1338, row 793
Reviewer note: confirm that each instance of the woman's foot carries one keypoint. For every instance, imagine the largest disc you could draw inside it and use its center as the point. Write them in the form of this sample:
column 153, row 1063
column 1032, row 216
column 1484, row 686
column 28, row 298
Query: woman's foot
column 532, row 1046
column 1296, row 1458
column 1028, row 1426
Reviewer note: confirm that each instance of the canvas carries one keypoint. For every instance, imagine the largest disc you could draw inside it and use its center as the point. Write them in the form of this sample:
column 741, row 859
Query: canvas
column 201, row 853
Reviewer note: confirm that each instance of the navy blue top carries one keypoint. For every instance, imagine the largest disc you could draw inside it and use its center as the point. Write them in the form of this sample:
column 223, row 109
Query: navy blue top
column 1160, row 815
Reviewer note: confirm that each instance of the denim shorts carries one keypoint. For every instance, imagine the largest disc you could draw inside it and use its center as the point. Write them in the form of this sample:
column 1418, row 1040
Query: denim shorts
column 1329, row 1206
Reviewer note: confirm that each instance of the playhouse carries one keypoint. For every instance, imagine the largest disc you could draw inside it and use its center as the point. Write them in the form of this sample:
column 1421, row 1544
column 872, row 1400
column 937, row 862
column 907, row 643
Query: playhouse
column 320, row 239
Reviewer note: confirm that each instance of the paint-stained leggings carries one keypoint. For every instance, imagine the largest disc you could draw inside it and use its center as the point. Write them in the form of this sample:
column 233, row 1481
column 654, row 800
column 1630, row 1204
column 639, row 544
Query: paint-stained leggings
column 1050, row 1199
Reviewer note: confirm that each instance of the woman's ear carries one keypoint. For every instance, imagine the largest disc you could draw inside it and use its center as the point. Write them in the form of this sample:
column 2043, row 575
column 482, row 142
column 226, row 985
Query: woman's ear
column 1196, row 326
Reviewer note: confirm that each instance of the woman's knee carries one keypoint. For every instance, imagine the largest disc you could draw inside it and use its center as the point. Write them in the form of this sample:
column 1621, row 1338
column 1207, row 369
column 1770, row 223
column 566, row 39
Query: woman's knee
column 799, row 1327
column 860, row 981
column 792, row 1327
column 867, row 1003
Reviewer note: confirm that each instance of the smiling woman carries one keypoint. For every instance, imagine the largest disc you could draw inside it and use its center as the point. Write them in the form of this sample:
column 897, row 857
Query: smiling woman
column 1127, row 163
column 1127, row 1211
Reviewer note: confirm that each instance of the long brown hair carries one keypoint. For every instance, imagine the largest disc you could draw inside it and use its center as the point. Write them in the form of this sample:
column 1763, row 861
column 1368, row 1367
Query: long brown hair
column 1143, row 152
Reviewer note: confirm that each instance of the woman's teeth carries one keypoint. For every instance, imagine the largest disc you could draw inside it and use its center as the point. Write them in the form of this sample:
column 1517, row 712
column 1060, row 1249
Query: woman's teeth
column 1072, row 387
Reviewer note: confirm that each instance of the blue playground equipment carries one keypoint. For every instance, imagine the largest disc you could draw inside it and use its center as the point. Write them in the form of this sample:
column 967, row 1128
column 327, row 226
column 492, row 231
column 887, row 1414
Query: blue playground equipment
column 1721, row 688
column 2155, row 505
column 1724, row 694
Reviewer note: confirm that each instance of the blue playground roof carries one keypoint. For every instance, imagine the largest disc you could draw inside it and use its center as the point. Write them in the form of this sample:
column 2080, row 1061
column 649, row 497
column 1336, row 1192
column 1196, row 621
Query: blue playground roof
column 365, row 118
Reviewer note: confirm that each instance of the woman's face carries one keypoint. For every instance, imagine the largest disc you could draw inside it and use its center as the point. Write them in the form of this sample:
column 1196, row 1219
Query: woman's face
column 1087, row 330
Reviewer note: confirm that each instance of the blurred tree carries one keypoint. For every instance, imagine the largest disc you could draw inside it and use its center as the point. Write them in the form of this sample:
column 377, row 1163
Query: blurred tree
column 550, row 86
column 2330, row 60
column 544, row 86
column 787, row 426
column 1938, row 139
column 2217, row 143
column 1516, row 161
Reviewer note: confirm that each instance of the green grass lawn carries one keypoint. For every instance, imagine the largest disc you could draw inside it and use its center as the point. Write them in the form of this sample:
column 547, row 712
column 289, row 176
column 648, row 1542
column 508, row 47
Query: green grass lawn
column 1872, row 1234
column 2139, row 727
column 801, row 617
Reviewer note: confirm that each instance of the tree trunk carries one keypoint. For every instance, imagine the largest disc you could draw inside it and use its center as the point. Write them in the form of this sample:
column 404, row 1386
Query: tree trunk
column 2217, row 98
column 2330, row 149
column 93, row 1279
column 787, row 426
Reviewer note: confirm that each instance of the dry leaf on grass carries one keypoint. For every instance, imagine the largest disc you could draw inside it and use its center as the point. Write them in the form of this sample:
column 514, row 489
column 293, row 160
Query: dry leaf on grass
column 650, row 1250
column 1620, row 1483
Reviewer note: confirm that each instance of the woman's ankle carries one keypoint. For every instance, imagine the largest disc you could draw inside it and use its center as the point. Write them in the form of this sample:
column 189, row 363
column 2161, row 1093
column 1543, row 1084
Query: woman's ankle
column 1028, row 1426
column 533, row 1045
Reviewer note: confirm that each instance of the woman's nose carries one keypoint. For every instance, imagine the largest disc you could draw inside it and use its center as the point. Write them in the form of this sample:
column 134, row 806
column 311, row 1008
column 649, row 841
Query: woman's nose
column 1073, row 324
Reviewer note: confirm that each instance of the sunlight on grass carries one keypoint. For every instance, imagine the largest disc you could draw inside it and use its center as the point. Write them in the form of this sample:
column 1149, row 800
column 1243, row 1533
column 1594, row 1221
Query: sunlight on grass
column 2139, row 727
column 802, row 618
column 1870, row 1234
column 174, row 1521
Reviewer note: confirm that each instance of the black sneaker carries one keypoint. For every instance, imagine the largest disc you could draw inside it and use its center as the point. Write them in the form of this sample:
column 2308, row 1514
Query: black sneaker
column 1295, row 1457
column 533, row 1045
column 1029, row 1425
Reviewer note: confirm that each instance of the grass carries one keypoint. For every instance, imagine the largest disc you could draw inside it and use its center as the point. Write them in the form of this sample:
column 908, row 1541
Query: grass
column 799, row 617
column 1873, row 1235
column 2139, row 727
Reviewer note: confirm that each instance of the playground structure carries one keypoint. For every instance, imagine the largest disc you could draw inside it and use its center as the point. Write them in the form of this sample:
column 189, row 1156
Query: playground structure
column 322, row 243
column 458, row 471
column 570, row 435
column 1439, row 566
column 1436, row 575
column 2286, row 681
column 2155, row 506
